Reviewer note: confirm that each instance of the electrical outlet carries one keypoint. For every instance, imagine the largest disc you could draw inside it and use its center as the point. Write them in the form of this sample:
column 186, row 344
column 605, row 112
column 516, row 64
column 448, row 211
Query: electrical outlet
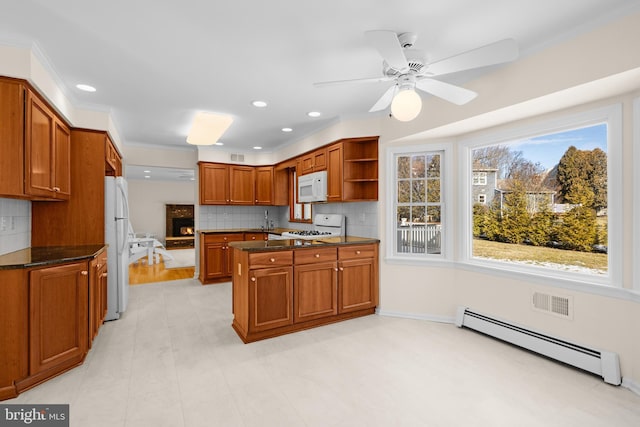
column 3, row 223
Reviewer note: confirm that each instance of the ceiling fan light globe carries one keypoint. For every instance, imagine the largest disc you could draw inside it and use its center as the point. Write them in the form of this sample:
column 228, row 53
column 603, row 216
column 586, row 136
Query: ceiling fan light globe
column 406, row 105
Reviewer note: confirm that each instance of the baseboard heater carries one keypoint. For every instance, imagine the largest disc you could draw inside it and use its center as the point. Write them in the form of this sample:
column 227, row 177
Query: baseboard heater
column 603, row 363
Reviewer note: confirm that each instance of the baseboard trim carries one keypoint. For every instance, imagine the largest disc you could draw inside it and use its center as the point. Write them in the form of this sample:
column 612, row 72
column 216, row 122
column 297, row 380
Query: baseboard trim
column 415, row 316
column 632, row 385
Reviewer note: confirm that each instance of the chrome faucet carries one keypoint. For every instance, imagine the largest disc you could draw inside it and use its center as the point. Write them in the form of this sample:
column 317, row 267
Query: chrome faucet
column 266, row 220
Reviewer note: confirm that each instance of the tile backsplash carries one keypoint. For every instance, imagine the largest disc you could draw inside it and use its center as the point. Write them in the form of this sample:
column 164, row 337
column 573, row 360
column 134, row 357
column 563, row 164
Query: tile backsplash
column 361, row 217
column 15, row 225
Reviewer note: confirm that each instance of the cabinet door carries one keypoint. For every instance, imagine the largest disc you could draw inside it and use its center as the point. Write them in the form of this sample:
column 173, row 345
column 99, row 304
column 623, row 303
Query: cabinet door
column 315, row 291
column 39, row 148
column 334, row 173
column 270, row 292
column 242, row 185
column 62, row 161
column 94, row 298
column 264, row 185
column 216, row 264
column 228, row 252
column 214, row 184
column 356, row 281
column 58, row 317
column 12, row 138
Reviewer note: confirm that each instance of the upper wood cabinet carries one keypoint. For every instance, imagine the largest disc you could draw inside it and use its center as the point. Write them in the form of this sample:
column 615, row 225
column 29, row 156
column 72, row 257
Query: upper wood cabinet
column 112, row 159
column 214, row 184
column 242, row 185
column 313, row 162
column 360, row 169
column 334, row 173
column 224, row 184
column 36, row 146
column 80, row 220
column 264, row 185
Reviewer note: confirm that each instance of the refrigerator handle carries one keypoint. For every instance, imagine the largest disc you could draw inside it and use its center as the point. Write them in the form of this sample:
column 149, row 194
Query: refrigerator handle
column 125, row 230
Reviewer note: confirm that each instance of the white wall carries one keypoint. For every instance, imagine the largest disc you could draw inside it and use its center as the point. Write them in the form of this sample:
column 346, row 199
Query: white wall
column 147, row 200
column 564, row 78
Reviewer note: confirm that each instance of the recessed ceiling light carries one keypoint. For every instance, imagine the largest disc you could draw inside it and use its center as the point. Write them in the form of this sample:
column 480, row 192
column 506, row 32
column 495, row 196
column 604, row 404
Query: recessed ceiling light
column 147, row 176
column 287, row 130
column 86, row 88
column 257, row 148
column 314, row 114
column 219, row 143
column 147, row 171
column 259, row 104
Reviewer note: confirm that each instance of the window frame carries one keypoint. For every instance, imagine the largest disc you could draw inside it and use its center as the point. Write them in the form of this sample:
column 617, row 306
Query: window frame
column 636, row 194
column 445, row 149
column 612, row 116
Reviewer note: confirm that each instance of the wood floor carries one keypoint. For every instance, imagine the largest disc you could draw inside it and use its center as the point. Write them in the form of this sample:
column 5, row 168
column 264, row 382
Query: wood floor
column 141, row 272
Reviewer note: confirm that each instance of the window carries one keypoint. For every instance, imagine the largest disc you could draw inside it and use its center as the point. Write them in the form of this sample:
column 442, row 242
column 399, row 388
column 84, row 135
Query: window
column 479, row 178
column 556, row 199
column 417, row 212
column 298, row 212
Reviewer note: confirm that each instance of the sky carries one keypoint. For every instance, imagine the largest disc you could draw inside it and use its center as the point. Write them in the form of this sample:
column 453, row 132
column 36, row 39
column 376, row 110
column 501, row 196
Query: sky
column 548, row 149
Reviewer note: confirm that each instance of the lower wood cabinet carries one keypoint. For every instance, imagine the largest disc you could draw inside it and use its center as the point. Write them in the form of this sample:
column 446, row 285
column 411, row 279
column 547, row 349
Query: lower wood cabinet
column 48, row 317
column 216, row 258
column 58, row 317
column 284, row 291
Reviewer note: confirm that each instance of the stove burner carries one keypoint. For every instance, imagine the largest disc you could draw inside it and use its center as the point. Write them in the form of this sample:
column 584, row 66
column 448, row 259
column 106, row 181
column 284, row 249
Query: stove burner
column 310, row 233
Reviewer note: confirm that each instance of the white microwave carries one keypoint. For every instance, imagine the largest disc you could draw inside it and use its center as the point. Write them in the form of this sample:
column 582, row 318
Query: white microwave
column 312, row 187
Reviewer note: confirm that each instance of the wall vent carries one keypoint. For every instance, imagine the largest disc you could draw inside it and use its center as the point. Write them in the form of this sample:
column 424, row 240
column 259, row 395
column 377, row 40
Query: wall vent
column 237, row 157
column 558, row 305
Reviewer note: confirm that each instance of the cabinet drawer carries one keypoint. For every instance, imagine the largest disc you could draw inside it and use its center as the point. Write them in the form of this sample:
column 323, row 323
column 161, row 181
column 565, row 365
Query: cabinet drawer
column 221, row 238
column 270, row 259
column 354, row 252
column 255, row 236
column 309, row 256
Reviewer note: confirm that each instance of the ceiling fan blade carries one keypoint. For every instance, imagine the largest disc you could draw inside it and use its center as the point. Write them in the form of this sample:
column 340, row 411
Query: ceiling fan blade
column 388, row 45
column 385, row 99
column 456, row 94
column 365, row 80
column 495, row 53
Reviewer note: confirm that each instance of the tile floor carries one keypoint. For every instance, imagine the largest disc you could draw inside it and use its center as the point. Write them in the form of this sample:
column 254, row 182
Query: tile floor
column 173, row 360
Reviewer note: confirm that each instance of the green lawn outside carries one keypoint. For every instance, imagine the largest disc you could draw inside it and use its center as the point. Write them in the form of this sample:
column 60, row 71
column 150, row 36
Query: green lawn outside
column 537, row 255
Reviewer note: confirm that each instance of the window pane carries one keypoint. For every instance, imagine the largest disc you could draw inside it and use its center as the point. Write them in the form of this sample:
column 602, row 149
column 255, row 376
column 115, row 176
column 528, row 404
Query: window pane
column 433, row 214
column 404, row 167
column 433, row 190
column 403, row 215
column 546, row 201
column 417, row 191
column 417, row 214
column 434, row 166
column 417, row 167
column 404, row 192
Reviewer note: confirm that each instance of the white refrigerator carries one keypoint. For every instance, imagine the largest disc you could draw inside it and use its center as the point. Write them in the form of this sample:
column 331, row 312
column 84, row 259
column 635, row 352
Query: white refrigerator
column 116, row 218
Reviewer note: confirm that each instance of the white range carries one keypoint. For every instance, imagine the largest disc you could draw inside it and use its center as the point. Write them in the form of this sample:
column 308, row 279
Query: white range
column 324, row 225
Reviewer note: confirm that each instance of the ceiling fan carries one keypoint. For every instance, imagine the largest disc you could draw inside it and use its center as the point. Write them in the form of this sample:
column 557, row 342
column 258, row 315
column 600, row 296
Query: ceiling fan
column 410, row 70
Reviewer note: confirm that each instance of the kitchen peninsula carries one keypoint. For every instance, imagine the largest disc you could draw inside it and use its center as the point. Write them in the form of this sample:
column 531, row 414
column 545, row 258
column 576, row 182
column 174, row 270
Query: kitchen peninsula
column 283, row 286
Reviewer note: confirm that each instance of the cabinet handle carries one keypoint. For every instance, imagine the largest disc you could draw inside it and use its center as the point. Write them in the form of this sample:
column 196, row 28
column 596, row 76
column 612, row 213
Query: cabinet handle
column 256, row 200
column 253, row 238
column 335, row 269
column 253, row 279
column 104, row 274
column 341, row 268
column 317, row 255
column 272, row 259
column 98, row 265
column 357, row 252
column 56, row 189
column 84, row 272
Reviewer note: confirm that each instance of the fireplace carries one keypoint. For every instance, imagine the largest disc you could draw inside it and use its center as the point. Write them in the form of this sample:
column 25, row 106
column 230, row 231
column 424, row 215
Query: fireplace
column 180, row 226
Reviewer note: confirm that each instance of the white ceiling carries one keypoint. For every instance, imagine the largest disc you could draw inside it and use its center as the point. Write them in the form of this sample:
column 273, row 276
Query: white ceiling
column 156, row 63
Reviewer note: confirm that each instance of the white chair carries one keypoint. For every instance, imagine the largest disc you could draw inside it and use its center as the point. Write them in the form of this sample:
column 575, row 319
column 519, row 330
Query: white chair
column 145, row 244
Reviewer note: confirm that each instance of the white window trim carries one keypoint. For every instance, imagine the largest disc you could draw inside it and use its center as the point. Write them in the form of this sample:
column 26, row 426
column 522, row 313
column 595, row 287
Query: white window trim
column 636, row 193
column 447, row 192
column 612, row 115
column 482, row 178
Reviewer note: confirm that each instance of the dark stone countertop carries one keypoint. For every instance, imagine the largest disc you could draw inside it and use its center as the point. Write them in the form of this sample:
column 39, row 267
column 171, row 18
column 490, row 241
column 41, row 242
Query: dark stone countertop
column 288, row 244
column 277, row 230
column 40, row 256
